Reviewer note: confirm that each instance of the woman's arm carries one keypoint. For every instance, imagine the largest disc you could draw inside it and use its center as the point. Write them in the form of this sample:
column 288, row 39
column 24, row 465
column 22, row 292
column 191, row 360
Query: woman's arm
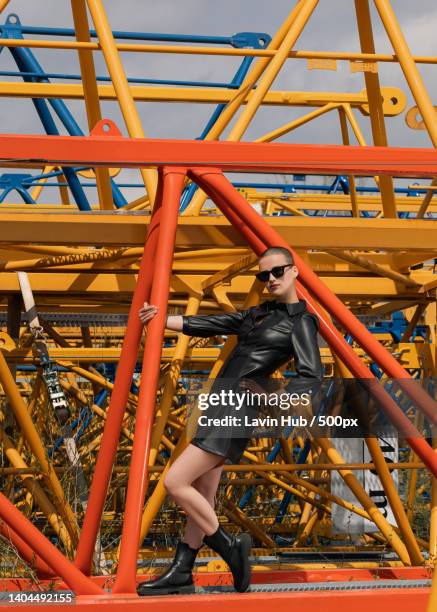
column 147, row 312
column 203, row 326
column 306, row 352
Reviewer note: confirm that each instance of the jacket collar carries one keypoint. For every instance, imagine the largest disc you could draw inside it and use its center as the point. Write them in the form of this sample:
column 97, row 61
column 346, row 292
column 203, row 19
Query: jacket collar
column 292, row 309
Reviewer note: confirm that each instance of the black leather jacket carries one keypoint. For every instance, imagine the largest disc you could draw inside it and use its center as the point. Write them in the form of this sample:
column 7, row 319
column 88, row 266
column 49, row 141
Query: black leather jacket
column 268, row 336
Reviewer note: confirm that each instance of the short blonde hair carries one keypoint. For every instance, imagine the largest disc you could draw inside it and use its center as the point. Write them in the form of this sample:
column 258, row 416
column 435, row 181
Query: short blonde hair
column 278, row 250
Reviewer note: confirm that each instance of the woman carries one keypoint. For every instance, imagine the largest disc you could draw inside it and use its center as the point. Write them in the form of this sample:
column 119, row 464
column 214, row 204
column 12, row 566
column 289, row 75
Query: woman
column 268, row 336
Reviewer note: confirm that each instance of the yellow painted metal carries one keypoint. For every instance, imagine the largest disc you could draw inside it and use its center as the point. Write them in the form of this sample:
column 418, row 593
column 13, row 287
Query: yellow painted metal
column 77, row 289
column 36, row 491
column 364, row 499
column 375, row 104
column 210, row 232
column 229, row 272
column 325, row 467
column 63, row 191
column 91, row 95
column 202, row 95
column 32, row 437
column 387, row 483
column 412, row 76
column 308, row 487
column 308, row 526
column 288, row 127
column 170, row 382
column 351, row 178
column 237, row 516
column 366, row 263
column 408, row 65
column 121, row 86
column 36, row 191
column 201, row 50
column 433, row 516
column 304, row 10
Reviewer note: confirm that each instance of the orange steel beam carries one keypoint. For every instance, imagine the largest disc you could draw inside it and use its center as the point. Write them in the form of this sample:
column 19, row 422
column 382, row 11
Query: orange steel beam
column 260, row 235
column 117, row 405
column 270, row 576
column 173, row 182
column 362, row 600
column 114, row 150
column 45, row 550
column 26, row 552
column 117, row 151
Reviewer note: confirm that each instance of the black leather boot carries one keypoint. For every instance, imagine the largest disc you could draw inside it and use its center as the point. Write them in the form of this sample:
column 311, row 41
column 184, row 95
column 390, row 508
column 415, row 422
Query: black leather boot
column 177, row 578
column 235, row 550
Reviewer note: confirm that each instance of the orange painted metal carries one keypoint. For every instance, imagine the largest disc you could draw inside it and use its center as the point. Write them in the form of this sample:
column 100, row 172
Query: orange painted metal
column 404, row 599
column 32, row 536
column 293, row 576
column 173, row 182
column 381, row 600
column 26, row 553
column 174, row 157
column 252, row 224
column 116, row 151
column 117, row 406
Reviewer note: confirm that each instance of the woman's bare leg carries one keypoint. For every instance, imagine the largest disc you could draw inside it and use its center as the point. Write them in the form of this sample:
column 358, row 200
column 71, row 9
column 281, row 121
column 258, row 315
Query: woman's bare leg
column 187, row 468
column 207, row 485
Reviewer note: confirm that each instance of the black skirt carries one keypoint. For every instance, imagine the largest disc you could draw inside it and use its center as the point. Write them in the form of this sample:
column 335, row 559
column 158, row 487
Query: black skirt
column 231, row 448
column 229, row 441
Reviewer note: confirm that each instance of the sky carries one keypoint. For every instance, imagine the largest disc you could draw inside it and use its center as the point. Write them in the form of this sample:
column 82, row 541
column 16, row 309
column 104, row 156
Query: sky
column 332, row 27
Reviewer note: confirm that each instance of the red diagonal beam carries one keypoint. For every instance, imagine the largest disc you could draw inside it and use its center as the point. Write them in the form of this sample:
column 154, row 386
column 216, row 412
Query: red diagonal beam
column 117, row 405
column 116, row 151
column 138, row 474
column 258, row 231
column 32, row 537
column 26, row 552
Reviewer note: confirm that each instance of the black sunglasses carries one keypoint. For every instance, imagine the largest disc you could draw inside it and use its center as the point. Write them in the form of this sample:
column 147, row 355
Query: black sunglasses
column 277, row 272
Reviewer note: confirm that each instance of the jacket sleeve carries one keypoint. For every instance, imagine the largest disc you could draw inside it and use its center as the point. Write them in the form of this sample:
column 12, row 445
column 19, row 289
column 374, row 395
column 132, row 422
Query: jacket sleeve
column 205, row 326
column 306, row 354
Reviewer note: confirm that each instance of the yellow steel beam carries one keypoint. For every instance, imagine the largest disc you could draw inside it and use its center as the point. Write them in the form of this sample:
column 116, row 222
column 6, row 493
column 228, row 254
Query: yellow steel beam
column 35, row 444
column 351, row 178
column 199, row 50
column 115, row 290
column 292, row 125
column 121, row 86
column 93, row 284
column 367, row 264
column 92, row 103
column 300, row 200
column 305, row 10
column 412, row 76
column 412, row 354
column 201, row 95
column 401, row 261
column 205, row 232
column 375, row 102
column 34, row 487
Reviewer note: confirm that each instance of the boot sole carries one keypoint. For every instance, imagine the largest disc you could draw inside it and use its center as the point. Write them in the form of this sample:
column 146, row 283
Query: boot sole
column 245, row 548
column 182, row 590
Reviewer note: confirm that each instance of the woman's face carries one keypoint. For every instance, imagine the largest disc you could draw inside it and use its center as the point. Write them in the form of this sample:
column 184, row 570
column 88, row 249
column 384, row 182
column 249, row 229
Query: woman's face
column 278, row 287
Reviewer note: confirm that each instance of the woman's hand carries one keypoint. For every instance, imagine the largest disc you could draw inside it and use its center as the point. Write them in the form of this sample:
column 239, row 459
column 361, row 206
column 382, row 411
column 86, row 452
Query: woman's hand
column 147, row 312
